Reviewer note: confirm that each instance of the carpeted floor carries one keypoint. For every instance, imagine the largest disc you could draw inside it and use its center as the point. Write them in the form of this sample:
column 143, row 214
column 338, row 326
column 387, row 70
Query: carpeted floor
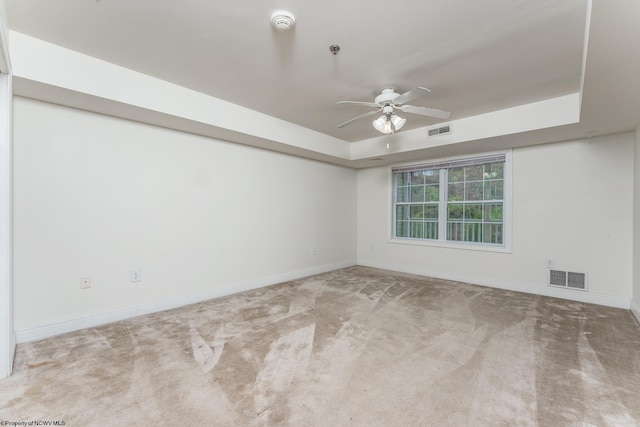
column 353, row 347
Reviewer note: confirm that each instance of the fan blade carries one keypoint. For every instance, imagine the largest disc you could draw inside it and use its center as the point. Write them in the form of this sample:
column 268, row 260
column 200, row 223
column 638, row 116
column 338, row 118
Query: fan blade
column 424, row 111
column 370, row 113
column 412, row 94
column 368, row 104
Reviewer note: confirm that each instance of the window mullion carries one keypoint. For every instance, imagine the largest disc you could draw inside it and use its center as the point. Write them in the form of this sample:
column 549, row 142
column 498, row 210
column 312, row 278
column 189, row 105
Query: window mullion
column 442, row 205
column 394, row 203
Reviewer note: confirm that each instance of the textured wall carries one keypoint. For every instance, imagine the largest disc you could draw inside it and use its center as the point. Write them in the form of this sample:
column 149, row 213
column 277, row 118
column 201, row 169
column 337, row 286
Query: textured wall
column 97, row 196
column 572, row 202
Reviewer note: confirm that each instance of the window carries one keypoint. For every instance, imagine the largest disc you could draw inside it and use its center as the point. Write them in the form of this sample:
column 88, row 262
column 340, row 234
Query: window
column 451, row 201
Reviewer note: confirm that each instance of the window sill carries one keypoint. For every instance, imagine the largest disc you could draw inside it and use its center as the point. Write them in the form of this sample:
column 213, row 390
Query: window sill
column 452, row 245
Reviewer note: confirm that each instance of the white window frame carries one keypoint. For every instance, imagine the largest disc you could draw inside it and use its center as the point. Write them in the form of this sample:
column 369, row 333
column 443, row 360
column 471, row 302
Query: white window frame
column 442, row 242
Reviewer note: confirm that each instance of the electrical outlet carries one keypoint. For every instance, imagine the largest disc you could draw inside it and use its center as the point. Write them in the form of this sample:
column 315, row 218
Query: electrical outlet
column 549, row 263
column 313, row 250
column 135, row 275
column 85, row 282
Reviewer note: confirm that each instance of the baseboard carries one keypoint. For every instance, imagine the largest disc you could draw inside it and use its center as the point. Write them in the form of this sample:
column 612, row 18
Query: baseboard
column 580, row 296
column 7, row 368
column 635, row 309
column 49, row 329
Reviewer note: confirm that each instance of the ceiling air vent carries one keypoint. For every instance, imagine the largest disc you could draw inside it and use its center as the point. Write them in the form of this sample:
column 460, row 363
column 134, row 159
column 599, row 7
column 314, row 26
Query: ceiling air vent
column 440, row 131
column 568, row 279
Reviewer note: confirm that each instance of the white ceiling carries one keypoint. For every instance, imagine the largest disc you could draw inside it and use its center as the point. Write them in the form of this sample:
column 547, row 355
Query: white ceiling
column 488, row 62
column 475, row 56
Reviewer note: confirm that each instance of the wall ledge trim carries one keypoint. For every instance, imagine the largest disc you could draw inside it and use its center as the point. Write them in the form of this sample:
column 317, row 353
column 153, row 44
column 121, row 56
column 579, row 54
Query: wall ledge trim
column 75, row 323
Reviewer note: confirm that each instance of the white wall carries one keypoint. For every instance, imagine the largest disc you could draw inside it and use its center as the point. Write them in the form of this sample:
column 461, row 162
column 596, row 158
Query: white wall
column 635, row 304
column 96, row 196
column 7, row 336
column 572, row 202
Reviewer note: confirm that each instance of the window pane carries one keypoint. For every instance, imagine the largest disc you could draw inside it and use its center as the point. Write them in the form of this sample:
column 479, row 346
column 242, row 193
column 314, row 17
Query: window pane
column 432, row 176
column 473, row 191
column 402, row 178
column 492, row 233
column 494, row 189
column 417, row 212
column 456, row 192
column 402, row 212
column 402, row 228
column 493, row 212
column 473, row 212
column 473, row 173
column 431, row 230
column 454, row 231
column 417, row 193
column 473, row 232
column 417, row 177
column 455, row 211
column 417, row 230
column 402, row 194
column 494, row 170
column 456, row 174
column 431, row 211
column 432, row 193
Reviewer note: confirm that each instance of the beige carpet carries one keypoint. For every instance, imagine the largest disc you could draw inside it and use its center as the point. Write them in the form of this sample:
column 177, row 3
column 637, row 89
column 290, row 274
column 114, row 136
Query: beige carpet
column 354, row 347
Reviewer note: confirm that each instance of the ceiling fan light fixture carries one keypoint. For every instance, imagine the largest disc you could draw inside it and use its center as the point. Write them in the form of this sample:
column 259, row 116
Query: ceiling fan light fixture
column 388, row 123
column 382, row 124
column 378, row 124
column 398, row 121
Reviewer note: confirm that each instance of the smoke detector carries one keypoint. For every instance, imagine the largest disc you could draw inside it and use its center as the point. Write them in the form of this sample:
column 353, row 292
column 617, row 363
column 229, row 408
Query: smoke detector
column 283, row 20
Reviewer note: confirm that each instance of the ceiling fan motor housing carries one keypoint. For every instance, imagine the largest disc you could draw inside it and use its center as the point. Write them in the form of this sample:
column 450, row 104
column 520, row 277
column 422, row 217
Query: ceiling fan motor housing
column 386, row 97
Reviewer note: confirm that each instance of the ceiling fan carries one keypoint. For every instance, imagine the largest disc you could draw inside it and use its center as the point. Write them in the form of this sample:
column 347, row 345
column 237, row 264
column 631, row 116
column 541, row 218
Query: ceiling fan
column 387, row 102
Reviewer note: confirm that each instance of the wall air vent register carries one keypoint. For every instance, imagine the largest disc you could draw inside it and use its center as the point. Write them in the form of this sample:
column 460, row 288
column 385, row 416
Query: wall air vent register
column 568, row 279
